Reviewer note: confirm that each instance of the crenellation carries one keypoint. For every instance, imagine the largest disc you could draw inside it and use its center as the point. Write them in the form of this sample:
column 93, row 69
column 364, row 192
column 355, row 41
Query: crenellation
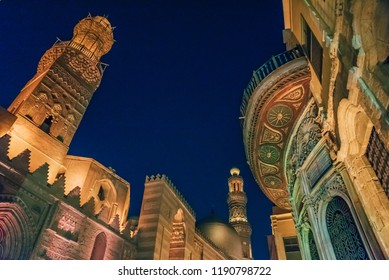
column 41, row 174
column 89, row 207
column 59, row 206
column 21, row 162
column 4, row 144
column 74, row 197
column 58, row 187
column 164, row 178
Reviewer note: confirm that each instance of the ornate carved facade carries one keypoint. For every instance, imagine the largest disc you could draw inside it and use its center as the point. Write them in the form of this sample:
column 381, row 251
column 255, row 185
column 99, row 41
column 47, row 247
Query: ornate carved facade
column 331, row 166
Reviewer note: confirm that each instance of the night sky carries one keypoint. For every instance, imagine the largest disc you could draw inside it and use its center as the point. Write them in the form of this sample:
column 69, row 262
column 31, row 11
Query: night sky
column 169, row 100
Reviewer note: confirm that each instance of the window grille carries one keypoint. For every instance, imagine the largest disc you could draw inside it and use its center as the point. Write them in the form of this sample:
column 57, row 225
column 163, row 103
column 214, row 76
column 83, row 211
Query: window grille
column 343, row 232
column 378, row 158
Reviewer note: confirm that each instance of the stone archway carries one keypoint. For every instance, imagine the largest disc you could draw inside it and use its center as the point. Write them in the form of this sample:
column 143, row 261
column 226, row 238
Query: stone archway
column 15, row 232
column 354, row 129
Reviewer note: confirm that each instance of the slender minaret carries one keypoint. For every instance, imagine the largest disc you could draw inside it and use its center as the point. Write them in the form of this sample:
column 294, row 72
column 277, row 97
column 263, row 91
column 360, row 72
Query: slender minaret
column 51, row 105
column 237, row 201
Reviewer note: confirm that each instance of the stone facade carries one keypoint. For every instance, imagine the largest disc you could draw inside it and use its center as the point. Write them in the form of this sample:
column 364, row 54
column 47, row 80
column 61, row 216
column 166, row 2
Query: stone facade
column 57, row 206
column 333, row 165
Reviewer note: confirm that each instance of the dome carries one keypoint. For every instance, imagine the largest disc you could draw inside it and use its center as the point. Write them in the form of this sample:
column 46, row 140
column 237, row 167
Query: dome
column 222, row 234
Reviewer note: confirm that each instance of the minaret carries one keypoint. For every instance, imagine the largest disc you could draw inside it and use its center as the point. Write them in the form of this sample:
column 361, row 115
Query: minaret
column 237, row 201
column 51, row 105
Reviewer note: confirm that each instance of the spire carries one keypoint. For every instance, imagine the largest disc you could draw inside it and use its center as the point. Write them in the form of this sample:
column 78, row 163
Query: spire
column 237, row 201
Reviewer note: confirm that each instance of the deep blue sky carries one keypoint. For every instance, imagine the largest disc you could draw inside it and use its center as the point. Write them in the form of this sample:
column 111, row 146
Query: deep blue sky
column 169, row 101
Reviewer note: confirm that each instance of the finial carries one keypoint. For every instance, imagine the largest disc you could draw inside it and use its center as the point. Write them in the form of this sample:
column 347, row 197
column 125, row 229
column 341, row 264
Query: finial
column 234, row 171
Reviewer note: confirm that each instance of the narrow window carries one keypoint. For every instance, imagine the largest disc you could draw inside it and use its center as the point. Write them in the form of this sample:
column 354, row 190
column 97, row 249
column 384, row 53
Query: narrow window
column 378, row 158
column 312, row 49
column 46, row 125
column 101, row 194
column 99, row 247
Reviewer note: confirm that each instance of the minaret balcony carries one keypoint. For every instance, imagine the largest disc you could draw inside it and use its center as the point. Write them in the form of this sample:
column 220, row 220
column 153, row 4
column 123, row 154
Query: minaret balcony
column 272, row 102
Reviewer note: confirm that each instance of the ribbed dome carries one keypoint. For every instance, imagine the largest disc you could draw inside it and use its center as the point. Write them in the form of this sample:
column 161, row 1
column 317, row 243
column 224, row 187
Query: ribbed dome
column 222, row 234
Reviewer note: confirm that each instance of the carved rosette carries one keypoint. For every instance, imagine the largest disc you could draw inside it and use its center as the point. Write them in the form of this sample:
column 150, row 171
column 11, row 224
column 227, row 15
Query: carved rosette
column 275, row 106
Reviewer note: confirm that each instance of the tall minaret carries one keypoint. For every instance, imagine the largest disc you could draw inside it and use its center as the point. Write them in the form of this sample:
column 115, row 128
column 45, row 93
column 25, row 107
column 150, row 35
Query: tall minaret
column 237, row 201
column 51, row 105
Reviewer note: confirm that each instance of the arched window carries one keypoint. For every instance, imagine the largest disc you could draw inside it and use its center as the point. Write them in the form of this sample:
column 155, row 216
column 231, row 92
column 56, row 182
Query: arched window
column 345, row 238
column 99, row 247
column 46, row 125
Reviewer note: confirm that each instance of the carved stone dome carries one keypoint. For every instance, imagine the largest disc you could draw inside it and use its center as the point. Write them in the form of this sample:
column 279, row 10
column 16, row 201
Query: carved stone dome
column 222, row 234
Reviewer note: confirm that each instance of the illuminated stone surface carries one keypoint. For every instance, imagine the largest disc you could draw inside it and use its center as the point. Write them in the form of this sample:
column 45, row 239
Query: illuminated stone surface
column 57, row 206
column 317, row 138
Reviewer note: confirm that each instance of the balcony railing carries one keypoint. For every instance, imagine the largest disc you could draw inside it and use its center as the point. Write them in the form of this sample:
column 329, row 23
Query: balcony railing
column 101, row 66
column 263, row 71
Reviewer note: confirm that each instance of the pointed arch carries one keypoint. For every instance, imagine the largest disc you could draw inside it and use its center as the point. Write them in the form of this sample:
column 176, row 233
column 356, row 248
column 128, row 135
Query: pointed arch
column 105, row 194
column 354, row 129
column 343, row 231
column 16, row 231
column 99, row 247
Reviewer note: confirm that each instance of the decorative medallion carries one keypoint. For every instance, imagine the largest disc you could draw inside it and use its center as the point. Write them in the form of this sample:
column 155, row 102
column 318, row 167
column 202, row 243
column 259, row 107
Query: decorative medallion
column 272, row 181
column 274, row 107
column 269, row 154
column 279, row 115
